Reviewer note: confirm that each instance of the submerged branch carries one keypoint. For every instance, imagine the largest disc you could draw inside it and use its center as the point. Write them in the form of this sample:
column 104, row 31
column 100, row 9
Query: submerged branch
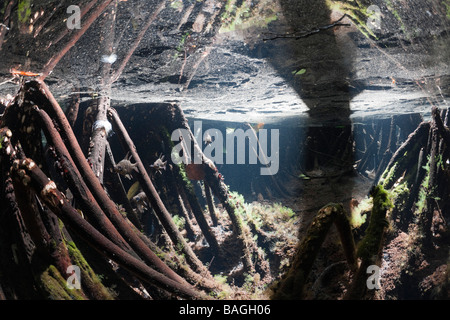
column 311, row 32
column 4, row 26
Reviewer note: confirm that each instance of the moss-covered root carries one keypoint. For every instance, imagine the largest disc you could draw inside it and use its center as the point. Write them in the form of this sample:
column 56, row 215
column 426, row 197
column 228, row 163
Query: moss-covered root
column 370, row 247
column 90, row 282
column 291, row 286
column 55, row 287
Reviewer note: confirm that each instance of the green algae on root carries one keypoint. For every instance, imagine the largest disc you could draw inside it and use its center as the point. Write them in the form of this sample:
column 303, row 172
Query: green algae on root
column 89, row 279
column 291, row 286
column 370, row 244
column 55, row 286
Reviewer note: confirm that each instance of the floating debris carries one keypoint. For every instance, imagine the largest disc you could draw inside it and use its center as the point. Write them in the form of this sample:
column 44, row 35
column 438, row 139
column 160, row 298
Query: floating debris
column 134, row 189
column 16, row 72
column 109, row 59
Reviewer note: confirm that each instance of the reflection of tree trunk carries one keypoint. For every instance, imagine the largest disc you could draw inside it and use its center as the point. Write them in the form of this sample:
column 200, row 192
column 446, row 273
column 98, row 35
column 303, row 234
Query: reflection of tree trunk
column 138, row 39
column 323, row 86
column 48, row 68
column 65, row 31
column 5, row 23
